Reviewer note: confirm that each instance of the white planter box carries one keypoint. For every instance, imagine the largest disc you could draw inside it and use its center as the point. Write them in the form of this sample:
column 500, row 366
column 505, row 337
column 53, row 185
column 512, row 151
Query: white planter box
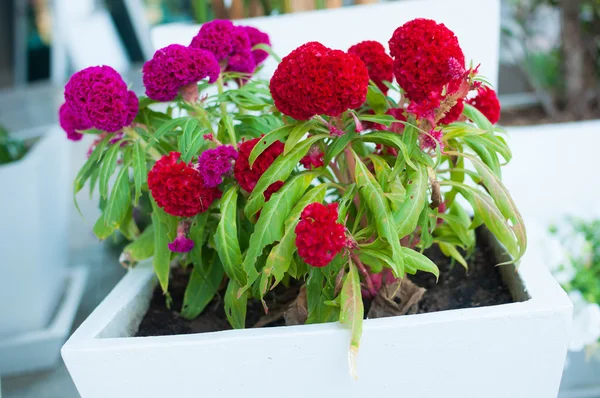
column 341, row 28
column 510, row 350
column 581, row 378
column 34, row 234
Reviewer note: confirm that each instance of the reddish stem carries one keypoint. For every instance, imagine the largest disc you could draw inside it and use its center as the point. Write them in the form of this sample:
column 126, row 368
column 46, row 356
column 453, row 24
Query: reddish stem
column 365, row 273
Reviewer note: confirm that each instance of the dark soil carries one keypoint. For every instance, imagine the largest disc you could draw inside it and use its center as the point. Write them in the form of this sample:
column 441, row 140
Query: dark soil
column 534, row 115
column 481, row 286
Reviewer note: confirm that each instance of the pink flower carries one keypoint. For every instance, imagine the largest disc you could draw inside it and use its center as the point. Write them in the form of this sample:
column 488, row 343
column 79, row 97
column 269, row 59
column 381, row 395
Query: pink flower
column 313, row 159
column 215, row 163
column 432, row 140
column 71, row 122
column 181, row 244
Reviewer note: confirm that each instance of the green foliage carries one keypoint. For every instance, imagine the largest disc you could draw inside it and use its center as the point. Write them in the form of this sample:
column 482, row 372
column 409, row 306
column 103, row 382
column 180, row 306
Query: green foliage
column 11, row 149
column 390, row 191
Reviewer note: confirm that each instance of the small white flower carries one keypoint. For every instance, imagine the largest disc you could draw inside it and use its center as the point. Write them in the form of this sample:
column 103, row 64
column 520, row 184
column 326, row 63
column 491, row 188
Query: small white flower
column 586, row 322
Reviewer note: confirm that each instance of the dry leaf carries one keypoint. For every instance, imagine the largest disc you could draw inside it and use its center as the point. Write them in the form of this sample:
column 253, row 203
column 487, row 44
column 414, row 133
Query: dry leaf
column 297, row 313
column 385, row 304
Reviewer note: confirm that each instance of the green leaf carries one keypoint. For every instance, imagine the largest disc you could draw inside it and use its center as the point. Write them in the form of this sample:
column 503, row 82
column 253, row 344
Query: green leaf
column 320, row 288
column 450, row 251
column 89, row 166
column 226, row 238
column 109, row 164
column 140, row 172
column 478, row 118
column 373, row 195
column 282, row 254
column 418, row 261
column 407, row 217
column 202, row 286
column 279, row 134
column 198, row 236
column 352, row 312
column 280, row 170
column 270, row 225
column 235, row 307
column 119, row 200
column 386, row 120
column 142, row 248
column 101, row 230
column 167, row 127
column 296, row 135
column 337, row 145
column 489, row 158
column 393, row 140
column 376, row 100
column 162, row 254
column 345, row 202
column 505, row 203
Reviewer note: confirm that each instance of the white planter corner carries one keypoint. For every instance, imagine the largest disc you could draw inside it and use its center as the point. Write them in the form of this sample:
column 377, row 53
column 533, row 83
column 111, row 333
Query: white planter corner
column 511, row 350
column 34, row 235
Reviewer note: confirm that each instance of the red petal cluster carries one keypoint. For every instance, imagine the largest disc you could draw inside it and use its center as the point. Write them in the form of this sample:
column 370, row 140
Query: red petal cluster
column 313, row 159
column 427, row 57
column 454, row 113
column 316, row 80
column 319, row 237
column 487, row 103
column 378, row 63
column 178, row 187
column 248, row 177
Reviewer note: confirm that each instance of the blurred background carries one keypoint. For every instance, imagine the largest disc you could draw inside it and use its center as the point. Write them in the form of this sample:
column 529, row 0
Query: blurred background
column 549, row 73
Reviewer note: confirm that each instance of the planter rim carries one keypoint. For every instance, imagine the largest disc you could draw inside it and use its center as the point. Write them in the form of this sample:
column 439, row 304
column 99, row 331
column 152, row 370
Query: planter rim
column 546, row 296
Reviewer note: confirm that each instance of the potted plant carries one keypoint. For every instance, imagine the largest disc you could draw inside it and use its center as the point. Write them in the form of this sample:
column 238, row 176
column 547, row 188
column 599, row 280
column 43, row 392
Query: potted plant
column 33, row 248
column 313, row 200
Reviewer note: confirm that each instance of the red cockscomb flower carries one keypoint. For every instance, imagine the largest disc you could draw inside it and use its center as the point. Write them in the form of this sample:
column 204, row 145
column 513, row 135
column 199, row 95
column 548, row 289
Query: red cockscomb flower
column 487, row 102
column 378, row 63
column 454, row 113
column 316, row 80
column 174, row 67
column 178, row 188
column 427, row 57
column 248, row 177
column 313, row 159
column 319, row 237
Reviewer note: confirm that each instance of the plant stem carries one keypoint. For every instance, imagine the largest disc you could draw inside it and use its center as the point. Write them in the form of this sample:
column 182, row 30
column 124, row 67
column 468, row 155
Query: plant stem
column 224, row 114
column 153, row 152
column 365, row 274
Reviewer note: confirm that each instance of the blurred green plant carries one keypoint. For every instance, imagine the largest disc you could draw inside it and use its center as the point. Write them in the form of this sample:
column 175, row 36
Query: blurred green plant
column 11, row 149
column 565, row 74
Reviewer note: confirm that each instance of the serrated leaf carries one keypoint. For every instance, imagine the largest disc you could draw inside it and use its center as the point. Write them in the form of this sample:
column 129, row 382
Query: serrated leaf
column 270, row 225
column 279, row 134
column 352, row 312
column 235, row 305
column 226, row 237
column 119, row 200
column 142, row 248
column 280, row 170
column 203, row 285
column 418, row 261
column 407, row 217
column 140, row 171
column 299, row 131
column 373, row 195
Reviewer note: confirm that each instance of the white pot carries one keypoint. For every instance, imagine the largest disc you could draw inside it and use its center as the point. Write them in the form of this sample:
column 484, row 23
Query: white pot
column 34, row 205
column 511, row 350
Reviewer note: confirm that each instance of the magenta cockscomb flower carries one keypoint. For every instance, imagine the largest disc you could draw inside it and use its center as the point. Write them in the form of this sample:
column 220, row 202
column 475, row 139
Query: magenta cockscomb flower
column 99, row 94
column 257, row 36
column 181, row 244
column 175, row 68
column 72, row 122
column 229, row 44
column 216, row 163
column 432, row 140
